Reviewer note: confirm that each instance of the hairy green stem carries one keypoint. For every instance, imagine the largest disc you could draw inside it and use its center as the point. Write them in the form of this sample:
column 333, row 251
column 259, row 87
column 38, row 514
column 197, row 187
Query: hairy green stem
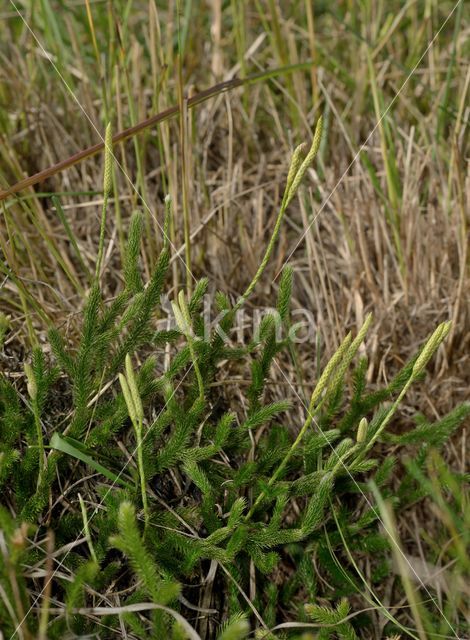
column 296, row 173
column 107, row 189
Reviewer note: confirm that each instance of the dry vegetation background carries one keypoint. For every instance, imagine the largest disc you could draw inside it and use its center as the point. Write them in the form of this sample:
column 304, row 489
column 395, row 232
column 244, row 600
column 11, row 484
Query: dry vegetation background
column 381, row 223
column 380, row 227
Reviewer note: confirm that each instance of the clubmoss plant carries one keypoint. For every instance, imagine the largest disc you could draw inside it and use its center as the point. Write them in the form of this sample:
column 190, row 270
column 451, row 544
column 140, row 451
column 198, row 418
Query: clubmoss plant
column 231, row 495
column 297, row 170
column 136, row 414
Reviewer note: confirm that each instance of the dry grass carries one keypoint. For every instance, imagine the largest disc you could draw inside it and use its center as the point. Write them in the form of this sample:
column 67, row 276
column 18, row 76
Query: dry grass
column 381, row 225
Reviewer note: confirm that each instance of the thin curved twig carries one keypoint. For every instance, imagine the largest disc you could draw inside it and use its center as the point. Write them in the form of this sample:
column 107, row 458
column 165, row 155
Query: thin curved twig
column 171, row 112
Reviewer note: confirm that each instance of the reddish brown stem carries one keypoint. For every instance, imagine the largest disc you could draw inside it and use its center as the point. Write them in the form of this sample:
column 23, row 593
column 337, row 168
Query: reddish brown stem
column 159, row 117
column 122, row 135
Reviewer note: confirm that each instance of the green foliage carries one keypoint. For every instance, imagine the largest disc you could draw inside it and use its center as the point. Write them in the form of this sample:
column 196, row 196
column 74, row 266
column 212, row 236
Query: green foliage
column 285, row 293
column 251, row 504
column 246, row 490
column 236, row 628
column 132, row 276
column 336, row 624
column 130, row 542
